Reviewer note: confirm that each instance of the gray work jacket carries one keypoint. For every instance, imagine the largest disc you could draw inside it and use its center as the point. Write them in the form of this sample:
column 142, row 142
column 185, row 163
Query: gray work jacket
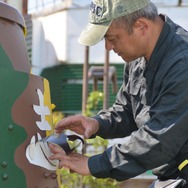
column 151, row 110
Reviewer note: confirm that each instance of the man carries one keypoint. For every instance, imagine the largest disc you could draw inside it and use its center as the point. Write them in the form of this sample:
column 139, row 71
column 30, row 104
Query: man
column 151, row 109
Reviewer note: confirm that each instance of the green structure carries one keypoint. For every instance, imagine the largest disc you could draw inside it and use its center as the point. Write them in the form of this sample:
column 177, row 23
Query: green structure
column 66, row 86
column 18, row 94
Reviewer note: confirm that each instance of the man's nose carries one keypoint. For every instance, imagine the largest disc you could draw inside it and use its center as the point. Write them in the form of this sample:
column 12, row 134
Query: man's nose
column 108, row 45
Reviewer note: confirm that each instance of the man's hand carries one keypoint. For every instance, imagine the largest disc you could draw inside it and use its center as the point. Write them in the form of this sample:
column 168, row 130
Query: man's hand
column 80, row 124
column 74, row 162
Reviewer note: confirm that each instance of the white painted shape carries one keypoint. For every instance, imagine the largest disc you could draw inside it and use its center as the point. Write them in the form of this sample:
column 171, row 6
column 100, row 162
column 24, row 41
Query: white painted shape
column 38, row 153
column 42, row 111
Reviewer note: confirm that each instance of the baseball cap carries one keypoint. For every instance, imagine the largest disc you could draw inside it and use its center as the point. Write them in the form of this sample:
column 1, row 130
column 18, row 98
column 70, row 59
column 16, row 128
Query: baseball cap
column 101, row 15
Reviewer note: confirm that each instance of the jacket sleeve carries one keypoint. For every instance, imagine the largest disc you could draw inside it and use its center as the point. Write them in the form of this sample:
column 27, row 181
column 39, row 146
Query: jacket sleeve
column 118, row 121
column 155, row 143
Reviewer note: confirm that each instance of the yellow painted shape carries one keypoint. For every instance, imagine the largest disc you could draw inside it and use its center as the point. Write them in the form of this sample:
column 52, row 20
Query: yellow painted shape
column 47, row 102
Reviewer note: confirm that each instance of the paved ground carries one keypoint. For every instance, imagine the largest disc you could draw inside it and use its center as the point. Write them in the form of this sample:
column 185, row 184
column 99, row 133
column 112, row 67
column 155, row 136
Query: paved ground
column 137, row 183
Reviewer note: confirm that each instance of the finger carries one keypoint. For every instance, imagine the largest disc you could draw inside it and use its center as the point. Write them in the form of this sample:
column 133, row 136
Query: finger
column 65, row 121
column 65, row 162
column 56, row 149
column 57, row 156
column 87, row 134
column 61, row 155
column 68, row 123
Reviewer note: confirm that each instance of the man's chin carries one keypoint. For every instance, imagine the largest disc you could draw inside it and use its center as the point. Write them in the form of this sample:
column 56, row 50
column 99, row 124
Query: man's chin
column 124, row 59
column 128, row 59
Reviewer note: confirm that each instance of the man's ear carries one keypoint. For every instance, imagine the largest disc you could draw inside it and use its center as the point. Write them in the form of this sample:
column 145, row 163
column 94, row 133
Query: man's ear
column 142, row 25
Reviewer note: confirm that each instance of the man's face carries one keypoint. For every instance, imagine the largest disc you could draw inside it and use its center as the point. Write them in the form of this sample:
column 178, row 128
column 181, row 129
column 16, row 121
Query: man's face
column 128, row 46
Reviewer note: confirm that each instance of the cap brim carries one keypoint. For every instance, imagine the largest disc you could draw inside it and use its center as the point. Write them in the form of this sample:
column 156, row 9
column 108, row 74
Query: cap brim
column 93, row 33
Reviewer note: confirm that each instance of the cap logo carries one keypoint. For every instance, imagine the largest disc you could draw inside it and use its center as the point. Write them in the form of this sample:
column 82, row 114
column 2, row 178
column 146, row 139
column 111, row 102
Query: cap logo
column 95, row 9
column 119, row 9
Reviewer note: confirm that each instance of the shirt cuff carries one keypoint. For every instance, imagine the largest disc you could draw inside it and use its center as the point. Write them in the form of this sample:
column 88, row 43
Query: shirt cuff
column 99, row 166
column 102, row 127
